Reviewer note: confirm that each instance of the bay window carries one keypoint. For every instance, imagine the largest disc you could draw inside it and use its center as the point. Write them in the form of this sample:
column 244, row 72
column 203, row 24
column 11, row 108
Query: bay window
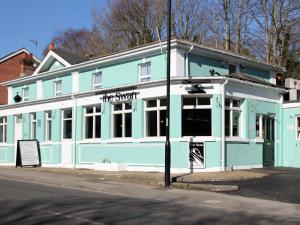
column 122, row 120
column 196, row 116
column 233, row 112
column 155, row 117
column 92, row 121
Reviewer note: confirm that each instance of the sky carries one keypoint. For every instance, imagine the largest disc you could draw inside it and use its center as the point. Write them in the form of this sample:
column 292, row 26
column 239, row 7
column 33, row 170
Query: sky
column 21, row 20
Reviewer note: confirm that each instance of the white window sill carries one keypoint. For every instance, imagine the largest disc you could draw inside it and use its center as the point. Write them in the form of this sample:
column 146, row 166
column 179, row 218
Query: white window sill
column 3, row 144
column 91, row 140
column 236, row 139
column 259, row 140
column 119, row 140
column 152, row 139
column 199, row 138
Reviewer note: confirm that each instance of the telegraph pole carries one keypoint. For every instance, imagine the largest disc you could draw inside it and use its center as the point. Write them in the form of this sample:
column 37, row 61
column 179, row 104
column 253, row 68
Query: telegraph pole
column 167, row 144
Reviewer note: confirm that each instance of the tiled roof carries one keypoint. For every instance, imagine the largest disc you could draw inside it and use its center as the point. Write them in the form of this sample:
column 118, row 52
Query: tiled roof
column 246, row 77
column 70, row 57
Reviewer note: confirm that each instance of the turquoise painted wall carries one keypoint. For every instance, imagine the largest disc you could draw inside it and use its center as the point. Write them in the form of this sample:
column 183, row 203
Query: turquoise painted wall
column 55, row 66
column 200, row 66
column 263, row 74
column 18, row 89
column 66, row 86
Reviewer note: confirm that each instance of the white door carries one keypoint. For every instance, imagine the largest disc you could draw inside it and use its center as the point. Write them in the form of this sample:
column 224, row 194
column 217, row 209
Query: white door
column 66, row 153
column 18, row 131
column 67, row 133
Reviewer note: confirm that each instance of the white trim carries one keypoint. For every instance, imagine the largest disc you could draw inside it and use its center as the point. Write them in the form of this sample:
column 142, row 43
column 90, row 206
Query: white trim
column 75, row 82
column 48, row 119
column 291, row 105
column 9, row 95
column 144, row 77
column 247, row 167
column 39, row 89
column 56, row 91
column 33, row 125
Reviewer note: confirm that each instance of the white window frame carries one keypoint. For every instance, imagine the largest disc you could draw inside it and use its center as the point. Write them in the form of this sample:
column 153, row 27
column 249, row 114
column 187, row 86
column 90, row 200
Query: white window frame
column 97, row 85
column 25, row 97
column 4, row 129
column 122, row 112
column 157, row 108
column 63, row 126
column 93, row 115
column 57, row 92
column 197, row 106
column 48, row 120
column 232, row 108
column 33, row 125
column 297, row 127
column 146, row 77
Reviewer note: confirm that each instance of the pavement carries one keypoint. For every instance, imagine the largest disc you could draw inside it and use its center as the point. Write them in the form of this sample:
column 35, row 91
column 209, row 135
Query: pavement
column 33, row 196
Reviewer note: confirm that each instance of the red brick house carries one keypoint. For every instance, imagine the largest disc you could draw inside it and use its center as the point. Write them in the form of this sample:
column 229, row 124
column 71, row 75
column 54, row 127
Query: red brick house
column 14, row 65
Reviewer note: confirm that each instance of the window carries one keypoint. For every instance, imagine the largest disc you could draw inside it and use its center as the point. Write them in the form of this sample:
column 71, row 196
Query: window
column 25, row 94
column 92, row 121
column 67, row 124
column 155, row 117
column 48, row 126
column 122, row 120
column 57, row 88
column 3, row 127
column 232, row 68
column 298, row 128
column 196, row 116
column 33, row 125
column 145, row 71
column 97, row 80
column 233, row 117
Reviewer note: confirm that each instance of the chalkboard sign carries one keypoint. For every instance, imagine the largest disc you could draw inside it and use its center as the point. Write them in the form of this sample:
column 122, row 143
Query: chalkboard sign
column 197, row 154
column 28, row 153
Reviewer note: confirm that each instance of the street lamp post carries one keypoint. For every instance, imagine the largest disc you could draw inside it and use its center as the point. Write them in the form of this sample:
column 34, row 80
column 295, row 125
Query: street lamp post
column 167, row 144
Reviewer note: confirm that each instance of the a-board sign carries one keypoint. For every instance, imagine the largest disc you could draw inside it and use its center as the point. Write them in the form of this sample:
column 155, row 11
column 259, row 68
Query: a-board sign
column 28, row 153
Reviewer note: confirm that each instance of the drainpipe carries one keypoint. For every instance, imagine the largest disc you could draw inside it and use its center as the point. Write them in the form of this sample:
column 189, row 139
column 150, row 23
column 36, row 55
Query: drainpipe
column 187, row 61
column 223, row 125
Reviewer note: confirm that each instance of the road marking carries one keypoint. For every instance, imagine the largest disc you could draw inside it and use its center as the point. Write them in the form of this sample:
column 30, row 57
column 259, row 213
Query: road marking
column 212, row 201
column 74, row 217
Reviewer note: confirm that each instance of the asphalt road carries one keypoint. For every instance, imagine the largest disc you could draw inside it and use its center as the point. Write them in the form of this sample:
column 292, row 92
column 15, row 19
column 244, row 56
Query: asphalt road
column 23, row 202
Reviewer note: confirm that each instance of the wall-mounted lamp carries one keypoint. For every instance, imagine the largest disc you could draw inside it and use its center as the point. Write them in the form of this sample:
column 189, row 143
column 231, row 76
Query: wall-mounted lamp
column 17, row 98
column 195, row 89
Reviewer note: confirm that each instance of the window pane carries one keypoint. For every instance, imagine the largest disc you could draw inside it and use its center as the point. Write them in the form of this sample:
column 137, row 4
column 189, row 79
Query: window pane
column 33, row 132
column 98, row 127
column 227, row 123
column 227, row 102
column 49, row 127
column 257, row 126
column 128, row 105
column 1, row 120
column 118, row 125
column 67, row 132
column 1, row 133
column 162, row 122
column 151, row 123
column 236, row 103
column 203, row 101
column 148, row 65
column 236, row 123
column 98, row 109
column 232, row 68
column 89, row 127
column 163, row 102
column 67, row 114
column 89, row 110
column 189, row 101
column 127, row 124
column 151, row 103
column 117, row 107
column 196, row 122
column 49, row 114
column 33, row 116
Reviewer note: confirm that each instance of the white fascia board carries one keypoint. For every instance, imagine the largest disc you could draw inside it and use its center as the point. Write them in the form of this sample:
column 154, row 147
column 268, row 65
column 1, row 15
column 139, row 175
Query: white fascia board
column 291, row 105
column 48, row 57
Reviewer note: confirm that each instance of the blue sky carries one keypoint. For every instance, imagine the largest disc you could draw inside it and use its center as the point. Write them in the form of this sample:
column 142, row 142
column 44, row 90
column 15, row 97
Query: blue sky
column 21, row 20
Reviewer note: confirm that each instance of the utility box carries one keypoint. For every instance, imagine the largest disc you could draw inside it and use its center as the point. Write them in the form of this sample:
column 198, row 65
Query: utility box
column 294, row 86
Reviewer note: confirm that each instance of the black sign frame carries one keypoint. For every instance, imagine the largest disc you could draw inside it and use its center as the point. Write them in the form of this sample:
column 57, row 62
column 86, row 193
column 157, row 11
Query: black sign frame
column 19, row 155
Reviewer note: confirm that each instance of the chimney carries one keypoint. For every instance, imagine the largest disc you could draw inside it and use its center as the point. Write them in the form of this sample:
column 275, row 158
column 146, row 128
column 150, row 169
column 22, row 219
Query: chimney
column 51, row 46
column 27, row 67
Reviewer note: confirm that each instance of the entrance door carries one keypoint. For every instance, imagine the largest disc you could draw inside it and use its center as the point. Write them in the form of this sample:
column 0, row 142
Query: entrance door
column 18, row 131
column 268, row 146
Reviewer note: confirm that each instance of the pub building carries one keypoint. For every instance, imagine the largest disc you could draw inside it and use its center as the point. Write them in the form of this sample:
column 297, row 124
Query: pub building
column 109, row 112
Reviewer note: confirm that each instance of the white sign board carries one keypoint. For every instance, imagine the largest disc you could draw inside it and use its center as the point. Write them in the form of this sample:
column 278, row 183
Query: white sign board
column 29, row 152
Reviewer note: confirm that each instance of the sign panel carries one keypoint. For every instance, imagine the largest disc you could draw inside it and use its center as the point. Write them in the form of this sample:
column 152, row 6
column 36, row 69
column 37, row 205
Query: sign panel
column 197, row 154
column 28, row 153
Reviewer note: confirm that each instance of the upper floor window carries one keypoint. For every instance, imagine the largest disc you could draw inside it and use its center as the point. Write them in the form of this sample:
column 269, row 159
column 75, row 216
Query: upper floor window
column 67, row 124
column 145, row 71
column 57, row 88
column 122, row 119
column 92, row 121
column 33, row 125
column 25, row 93
column 48, row 126
column 298, row 128
column 196, row 116
column 97, row 80
column 3, row 127
column 233, row 112
column 155, row 117
column 232, row 68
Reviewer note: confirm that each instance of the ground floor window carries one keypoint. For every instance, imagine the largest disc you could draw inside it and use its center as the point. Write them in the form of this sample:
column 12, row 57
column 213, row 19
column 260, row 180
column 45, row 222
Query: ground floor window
column 196, row 116
column 48, row 126
column 33, row 125
column 122, row 119
column 67, row 123
column 155, row 117
column 233, row 111
column 92, row 122
column 3, row 128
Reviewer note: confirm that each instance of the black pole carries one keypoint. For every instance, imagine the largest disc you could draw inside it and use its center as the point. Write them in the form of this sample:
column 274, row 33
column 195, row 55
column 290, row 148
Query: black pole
column 167, row 144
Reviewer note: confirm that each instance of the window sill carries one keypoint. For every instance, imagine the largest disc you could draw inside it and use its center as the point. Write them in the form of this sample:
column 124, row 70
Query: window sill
column 91, row 140
column 119, row 140
column 237, row 139
column 199, row 138
column 259, row 140
column 152, row 139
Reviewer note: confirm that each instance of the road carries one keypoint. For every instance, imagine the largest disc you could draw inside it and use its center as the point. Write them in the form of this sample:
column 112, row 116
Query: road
column 26, row 198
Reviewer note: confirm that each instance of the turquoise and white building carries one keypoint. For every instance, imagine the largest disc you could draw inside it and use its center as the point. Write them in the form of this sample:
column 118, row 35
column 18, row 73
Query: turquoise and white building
column 109, row 112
